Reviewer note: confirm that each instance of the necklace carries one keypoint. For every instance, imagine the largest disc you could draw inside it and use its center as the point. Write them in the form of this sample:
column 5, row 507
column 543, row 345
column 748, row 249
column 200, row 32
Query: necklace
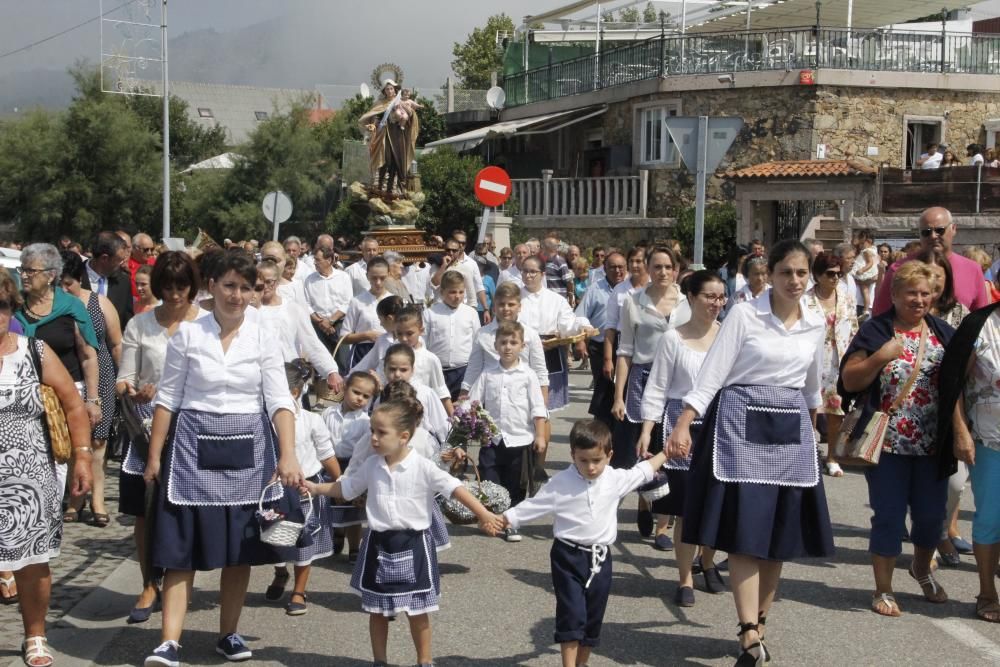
column 40, row 301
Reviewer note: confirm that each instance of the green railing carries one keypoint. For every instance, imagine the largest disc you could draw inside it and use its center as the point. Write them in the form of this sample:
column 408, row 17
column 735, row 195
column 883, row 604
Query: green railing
column 796, row 48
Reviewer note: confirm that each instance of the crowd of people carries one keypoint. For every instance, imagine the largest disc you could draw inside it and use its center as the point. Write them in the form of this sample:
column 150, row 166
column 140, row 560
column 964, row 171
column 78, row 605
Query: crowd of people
column 273, row 386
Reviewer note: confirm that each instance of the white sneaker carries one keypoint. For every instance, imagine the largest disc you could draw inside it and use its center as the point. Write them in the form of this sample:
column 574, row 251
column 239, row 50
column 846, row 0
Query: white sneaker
column 511, row 535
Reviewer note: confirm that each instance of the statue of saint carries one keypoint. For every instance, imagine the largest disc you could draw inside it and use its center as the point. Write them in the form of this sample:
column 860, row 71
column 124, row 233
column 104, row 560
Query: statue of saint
column 392, row 126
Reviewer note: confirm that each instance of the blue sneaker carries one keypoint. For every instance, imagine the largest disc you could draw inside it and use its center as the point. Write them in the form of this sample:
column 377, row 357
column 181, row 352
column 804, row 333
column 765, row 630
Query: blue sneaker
column 233, row 648
column 168, row 653
column 961, row 545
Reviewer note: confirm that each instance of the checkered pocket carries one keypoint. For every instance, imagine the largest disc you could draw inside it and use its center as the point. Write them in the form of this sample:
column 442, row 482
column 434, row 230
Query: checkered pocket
column 395, row 568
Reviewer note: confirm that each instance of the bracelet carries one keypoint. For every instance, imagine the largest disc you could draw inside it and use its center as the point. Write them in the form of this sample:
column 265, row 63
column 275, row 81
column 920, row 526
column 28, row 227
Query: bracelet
column 92, row 400
column 84, row 449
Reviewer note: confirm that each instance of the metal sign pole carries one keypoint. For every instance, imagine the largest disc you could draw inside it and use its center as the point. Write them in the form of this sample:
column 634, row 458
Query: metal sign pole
column 482, row 225
column 274, row 217
column 699, row 204
column 166, row 127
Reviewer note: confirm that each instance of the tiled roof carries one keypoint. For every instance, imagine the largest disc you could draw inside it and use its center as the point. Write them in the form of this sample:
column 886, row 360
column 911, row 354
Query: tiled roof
column 803, row 169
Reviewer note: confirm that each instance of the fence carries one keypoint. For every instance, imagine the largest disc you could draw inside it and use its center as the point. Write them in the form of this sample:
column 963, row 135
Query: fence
column 749, row 51
column 608, row 196
column 959, row 189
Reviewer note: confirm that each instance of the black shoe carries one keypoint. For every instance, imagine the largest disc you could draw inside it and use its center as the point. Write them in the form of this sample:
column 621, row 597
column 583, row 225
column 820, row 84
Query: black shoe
column 714, row 583
column 142, row 614
column 746, row 658
column 723, row 565
column 644, row 521
column 276, row 590
column 696, row 565
column 684, row 597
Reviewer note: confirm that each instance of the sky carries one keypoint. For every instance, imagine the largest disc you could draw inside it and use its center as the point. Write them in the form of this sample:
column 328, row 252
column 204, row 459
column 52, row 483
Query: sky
column 311, row 42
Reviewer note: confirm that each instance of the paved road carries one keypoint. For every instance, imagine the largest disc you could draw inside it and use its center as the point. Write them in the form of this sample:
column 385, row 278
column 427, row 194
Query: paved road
column 497, row 607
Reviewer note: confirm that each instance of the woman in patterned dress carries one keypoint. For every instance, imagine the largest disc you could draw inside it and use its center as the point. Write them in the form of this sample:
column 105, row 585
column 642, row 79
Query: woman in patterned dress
column 109, row 334
column 30, row 488
column 829, row 297
column 881, row 361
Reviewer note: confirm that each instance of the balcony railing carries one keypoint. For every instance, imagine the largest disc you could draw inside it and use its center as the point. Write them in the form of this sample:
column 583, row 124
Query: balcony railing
column 965, row 190
column 607, row 196
column 753, row 51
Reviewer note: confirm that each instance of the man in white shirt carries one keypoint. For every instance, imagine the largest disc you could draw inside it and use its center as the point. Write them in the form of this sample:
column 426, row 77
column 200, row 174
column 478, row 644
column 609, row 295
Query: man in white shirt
column 513, row 273
column 328, row 292
column 293, row 248
column 358, row 271
column 931, row 159
column 455, row 260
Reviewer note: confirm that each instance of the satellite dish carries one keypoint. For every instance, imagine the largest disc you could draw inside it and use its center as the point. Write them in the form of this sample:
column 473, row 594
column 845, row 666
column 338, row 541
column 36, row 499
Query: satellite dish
column 495, row 98
column 366, row 91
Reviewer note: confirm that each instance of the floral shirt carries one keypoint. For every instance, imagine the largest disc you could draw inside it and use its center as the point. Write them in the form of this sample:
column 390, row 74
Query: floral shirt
column 982, row 389
column 913, row 427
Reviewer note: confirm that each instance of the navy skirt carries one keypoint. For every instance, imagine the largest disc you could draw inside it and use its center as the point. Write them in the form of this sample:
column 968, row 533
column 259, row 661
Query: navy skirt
column 765, row 521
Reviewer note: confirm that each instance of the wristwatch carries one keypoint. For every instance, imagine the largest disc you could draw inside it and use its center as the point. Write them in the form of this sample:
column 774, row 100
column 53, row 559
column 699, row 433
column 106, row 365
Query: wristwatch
column 95, row 401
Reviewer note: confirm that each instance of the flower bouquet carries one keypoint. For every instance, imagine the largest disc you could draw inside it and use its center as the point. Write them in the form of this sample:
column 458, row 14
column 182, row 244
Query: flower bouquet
column 472, row 423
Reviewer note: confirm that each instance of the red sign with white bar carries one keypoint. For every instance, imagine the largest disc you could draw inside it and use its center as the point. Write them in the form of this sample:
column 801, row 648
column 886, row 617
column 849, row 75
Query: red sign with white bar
column 492, row 186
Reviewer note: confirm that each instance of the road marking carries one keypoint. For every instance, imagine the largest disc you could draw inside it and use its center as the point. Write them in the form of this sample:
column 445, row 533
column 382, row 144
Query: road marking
column 966, row 635
column 492, row 186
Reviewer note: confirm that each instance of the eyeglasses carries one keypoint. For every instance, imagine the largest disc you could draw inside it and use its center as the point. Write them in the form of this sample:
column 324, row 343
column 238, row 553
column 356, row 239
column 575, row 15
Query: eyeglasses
column 617, row 267
column 714, row 298
column 927, row 231
column 452, row 250
column 29, row 273
column 530, row 272
column 149, row 251
column 832, row 273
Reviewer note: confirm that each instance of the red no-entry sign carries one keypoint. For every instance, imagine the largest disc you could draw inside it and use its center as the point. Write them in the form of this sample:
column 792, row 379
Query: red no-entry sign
column 492, row 186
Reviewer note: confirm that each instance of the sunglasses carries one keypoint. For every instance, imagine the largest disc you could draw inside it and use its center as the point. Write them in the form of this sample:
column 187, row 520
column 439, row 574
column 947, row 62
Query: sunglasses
column 832, row 273
column 927, row 231
column 149, row 250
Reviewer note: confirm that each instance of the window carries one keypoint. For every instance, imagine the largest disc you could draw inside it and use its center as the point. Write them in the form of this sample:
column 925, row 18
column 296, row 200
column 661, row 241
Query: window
column 655, row 147
column 260, row 115
column 918, row 131
column 205, row 112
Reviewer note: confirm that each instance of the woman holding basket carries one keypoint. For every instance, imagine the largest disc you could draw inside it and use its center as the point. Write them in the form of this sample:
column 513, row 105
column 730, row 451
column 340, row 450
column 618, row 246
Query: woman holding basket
column 223, row 387
column 896, row 358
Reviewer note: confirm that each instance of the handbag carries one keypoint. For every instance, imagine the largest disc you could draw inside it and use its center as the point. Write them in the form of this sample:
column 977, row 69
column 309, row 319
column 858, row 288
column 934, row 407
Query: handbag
column 866, row 448
column 55, row 417
column 133, row 425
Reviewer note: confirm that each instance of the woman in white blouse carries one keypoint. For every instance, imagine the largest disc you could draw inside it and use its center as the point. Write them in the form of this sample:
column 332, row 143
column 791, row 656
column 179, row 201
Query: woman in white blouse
column 754, row 487
column 679, row 357
column 645, row 316
column 289, row 326
column 223, row 386
column 175, row 282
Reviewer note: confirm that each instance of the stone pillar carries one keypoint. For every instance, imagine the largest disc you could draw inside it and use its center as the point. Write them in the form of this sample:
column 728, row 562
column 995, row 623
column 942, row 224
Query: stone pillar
column 499, row 227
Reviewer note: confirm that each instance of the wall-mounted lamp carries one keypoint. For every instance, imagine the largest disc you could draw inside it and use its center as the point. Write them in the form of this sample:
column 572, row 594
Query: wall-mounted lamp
column 728, row 78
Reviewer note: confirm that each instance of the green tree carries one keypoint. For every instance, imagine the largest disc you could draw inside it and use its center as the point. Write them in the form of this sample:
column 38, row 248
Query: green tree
column 479, row 56
column 432, row 125
column 189, row 141
column 446, row 178
column 720, row 232
column 630, row 15
column 649, row 14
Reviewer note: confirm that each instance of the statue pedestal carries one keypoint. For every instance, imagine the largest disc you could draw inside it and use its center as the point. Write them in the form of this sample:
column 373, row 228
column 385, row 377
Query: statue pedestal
column 407, row 241
column 499, row 227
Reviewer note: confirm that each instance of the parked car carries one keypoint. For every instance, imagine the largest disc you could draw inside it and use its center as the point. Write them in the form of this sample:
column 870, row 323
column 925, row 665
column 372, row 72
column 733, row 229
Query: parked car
column 11, row 260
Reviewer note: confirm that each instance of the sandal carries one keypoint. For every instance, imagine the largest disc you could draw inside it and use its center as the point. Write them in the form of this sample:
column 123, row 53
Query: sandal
column 276, row 590
column 988, row 609
column 100, row 520
column 761, row 629
column 931, row 588
column 36, row 652
column 833, row 469
column 71, row 515
column 6, row 583
column 296, row 608
column 746, row 658
column 884, row 604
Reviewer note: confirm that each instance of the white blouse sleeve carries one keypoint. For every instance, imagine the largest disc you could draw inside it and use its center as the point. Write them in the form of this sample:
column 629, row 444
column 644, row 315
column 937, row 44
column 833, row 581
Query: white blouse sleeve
column 720, row 359
column 626, row 328
column 308, row 342
column 321, row 438
column 476, row 362
column 654, row 396
column 273, row 379
column 567, row 323
column 811, row 390
column 351, row 318
column 128, row 368
column 536, row 358
column 170, row 391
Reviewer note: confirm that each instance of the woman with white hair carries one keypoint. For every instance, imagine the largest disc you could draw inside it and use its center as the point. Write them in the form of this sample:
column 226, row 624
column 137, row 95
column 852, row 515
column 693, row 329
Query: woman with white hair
column 394, row 283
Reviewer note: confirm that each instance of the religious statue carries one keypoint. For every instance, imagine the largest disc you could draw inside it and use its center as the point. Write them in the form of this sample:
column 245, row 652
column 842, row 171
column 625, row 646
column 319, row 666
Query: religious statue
column 392, row 126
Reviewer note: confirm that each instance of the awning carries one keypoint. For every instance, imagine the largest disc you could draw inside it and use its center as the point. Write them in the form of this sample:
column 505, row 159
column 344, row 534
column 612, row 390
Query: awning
column 800, row 13
column 533, row 125
column 223, row 161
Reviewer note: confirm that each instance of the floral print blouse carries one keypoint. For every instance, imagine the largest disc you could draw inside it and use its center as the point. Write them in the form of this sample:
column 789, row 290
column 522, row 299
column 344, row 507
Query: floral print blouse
column 982, row 388
column 913, row 426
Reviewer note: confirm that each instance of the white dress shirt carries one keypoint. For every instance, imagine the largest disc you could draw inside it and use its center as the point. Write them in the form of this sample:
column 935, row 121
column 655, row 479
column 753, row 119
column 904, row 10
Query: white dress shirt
column 513, row 398
column 484, row 352
column 672, row 376
column 642, row 325
column 361, row 315
column 427, row 370
column 98, row 283
column 330, row 294
column 359, row 276
column 584, row 511
column 198, row 375
column 401, row 498
column 549, row 313
column 349, row 431
column 473, row 279
column 373, row 360
column 416, row 279
column 312, row 441
column 449, row 332
column 435, row 421
column 144, row 350
column 302, row 270
column 293, row 290
column 511, row 274
column 613, row 310
column 753, row 347
column 289, row 328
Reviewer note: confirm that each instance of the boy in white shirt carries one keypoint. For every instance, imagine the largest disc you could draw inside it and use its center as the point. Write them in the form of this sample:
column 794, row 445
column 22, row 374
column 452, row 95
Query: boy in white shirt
column 510, row 393
column 583, row 500
column 426, row 366
column 451, row 326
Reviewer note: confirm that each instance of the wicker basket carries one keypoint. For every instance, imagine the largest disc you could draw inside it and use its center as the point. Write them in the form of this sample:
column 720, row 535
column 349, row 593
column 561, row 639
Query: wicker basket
column 282, row 533
column 553, row 343
column 493, row 496
column 322, row 389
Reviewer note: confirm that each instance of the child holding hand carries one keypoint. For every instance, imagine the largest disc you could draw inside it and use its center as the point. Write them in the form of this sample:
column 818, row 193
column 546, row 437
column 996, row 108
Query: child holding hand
column 397, row 570
column 583, row 500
